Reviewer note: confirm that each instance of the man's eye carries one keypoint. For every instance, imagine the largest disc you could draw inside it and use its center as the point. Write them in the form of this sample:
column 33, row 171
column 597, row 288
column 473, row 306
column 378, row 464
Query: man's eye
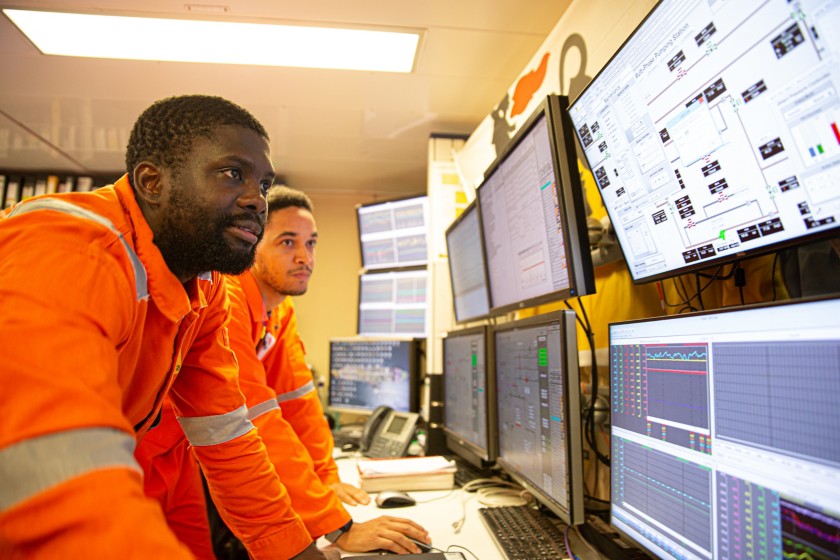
column 264, row 186
column 312, row 243
column 234, row 174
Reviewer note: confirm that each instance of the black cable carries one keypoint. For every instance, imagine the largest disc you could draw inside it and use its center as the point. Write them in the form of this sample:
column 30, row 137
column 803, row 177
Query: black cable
column 463, row 548
column 699, row 291
column 740, row 279
column 589, row 431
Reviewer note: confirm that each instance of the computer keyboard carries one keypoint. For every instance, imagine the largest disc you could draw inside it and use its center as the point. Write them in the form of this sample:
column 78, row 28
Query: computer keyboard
column 522, row 532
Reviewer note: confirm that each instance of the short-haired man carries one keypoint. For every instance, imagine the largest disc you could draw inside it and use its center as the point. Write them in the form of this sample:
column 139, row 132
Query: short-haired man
column 291, row 422
column 113, row 299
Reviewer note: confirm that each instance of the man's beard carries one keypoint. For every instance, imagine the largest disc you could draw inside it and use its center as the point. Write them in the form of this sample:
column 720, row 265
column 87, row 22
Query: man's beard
column 189, row 251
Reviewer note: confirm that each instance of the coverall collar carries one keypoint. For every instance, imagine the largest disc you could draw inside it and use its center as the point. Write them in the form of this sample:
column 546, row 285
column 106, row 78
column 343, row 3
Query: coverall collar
column 172, row 298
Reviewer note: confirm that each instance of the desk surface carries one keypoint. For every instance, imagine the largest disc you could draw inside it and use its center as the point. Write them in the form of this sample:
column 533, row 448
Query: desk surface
column 436, row 511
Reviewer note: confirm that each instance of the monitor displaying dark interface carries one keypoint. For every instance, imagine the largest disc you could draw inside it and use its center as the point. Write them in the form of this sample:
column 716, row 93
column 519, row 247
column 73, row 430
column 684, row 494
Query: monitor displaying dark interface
column 394, row 233
column 469, row 396
column 368, row 372
column 532, row 215
column 538, row 408
column 467, row 269
column 725, row 440
column 713, row 132
column 393, row 303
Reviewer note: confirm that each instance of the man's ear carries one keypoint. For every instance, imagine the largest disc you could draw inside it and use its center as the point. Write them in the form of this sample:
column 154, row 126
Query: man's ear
column 148, row 182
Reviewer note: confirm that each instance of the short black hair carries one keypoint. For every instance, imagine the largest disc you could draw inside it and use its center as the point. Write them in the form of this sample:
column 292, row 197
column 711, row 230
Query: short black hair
column 279, row 197
column 164, row 133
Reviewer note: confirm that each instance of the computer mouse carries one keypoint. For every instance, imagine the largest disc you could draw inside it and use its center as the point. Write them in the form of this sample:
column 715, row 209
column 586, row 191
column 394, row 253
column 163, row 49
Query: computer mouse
column 350, row 446
column 394, row 499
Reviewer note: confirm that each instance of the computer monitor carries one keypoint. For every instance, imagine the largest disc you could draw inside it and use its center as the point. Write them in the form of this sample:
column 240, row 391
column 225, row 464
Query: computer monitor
column 725, row 439
column 713, row 132
column 369, row 372
column 393, row 303
column 469, row 396
column 393, row 233
column 538, row 409
column 467, row 269
column 532, row 215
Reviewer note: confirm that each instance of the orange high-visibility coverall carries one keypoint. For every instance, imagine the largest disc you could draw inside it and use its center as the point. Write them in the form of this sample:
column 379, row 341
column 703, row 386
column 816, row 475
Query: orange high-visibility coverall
column 286, row 435
column 290, row 377
column 94, row 331
column 316, row 504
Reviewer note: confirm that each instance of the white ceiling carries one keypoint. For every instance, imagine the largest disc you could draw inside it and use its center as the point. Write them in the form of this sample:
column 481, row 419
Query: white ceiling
column 331, row 130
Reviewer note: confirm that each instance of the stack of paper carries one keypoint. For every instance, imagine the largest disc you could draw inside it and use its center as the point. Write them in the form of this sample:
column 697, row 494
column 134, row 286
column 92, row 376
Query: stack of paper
column 406, row 474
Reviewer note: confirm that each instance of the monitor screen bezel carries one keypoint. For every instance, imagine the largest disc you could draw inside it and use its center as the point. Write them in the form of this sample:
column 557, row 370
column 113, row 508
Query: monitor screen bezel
column 475, row 454
column 705, row 264
column 570, row 201
column 384, row 203
column 574, row 422
column 377, row 272
column 413, row 373
column 472, row 207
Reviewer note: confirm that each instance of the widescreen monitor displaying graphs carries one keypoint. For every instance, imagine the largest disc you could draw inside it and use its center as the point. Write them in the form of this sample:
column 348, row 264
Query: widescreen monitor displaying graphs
column 393, row 303
column 713, row 132
column 724, row 432
column 394, row 233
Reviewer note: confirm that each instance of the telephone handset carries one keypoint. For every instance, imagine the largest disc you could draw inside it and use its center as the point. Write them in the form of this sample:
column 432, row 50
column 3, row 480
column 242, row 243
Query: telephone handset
column 388, row 433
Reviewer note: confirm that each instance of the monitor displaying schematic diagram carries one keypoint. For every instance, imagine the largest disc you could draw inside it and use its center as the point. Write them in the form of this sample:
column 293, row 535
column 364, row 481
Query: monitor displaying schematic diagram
column 713, row 132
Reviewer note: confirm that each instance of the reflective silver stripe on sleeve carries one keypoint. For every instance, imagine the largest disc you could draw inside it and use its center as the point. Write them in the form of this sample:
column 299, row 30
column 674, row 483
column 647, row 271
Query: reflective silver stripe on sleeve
column 35, row 465
column 256, row 411
column 297, row 393
column 212, row 430
column 69, row 208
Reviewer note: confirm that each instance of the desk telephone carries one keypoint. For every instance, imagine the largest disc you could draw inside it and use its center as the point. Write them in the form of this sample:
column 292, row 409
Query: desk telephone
column 388, row 433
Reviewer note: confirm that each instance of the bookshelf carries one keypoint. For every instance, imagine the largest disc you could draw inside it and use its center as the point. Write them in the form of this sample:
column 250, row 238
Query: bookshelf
column 16, row 186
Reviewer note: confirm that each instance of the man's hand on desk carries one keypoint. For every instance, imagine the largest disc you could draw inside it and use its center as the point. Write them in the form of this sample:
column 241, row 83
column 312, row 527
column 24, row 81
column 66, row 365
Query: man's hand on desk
column 312, row 552
column 387, row 533
column 351, row 495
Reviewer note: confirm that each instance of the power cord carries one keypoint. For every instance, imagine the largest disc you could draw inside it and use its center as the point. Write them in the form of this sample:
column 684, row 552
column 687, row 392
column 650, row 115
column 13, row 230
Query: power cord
column 491, row 492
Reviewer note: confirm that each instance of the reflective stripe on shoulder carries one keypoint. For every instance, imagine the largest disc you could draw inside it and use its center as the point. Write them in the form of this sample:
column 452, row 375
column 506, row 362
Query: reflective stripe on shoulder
column 297, row 393
column 266, row 406
column 35, row 465
column 212, row 430
column 69, row 208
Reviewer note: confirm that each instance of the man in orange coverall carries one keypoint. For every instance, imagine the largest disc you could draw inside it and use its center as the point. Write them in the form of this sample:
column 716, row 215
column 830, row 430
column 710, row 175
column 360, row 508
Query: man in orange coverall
column 109, row 301
column 263, row 334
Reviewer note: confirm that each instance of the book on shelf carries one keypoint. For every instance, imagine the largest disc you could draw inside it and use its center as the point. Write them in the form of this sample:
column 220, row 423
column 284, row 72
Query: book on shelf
column 406, row 474
column 12, row 191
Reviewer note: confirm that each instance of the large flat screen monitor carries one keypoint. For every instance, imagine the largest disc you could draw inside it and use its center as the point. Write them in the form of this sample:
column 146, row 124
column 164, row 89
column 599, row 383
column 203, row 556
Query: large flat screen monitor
column 369, row 372
column 467, row 268
column 725, row 439
column 532, row 215
column 538, row 408
column 393, row 303
column 469, row 396
column 713, row 132
column 394, row 233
